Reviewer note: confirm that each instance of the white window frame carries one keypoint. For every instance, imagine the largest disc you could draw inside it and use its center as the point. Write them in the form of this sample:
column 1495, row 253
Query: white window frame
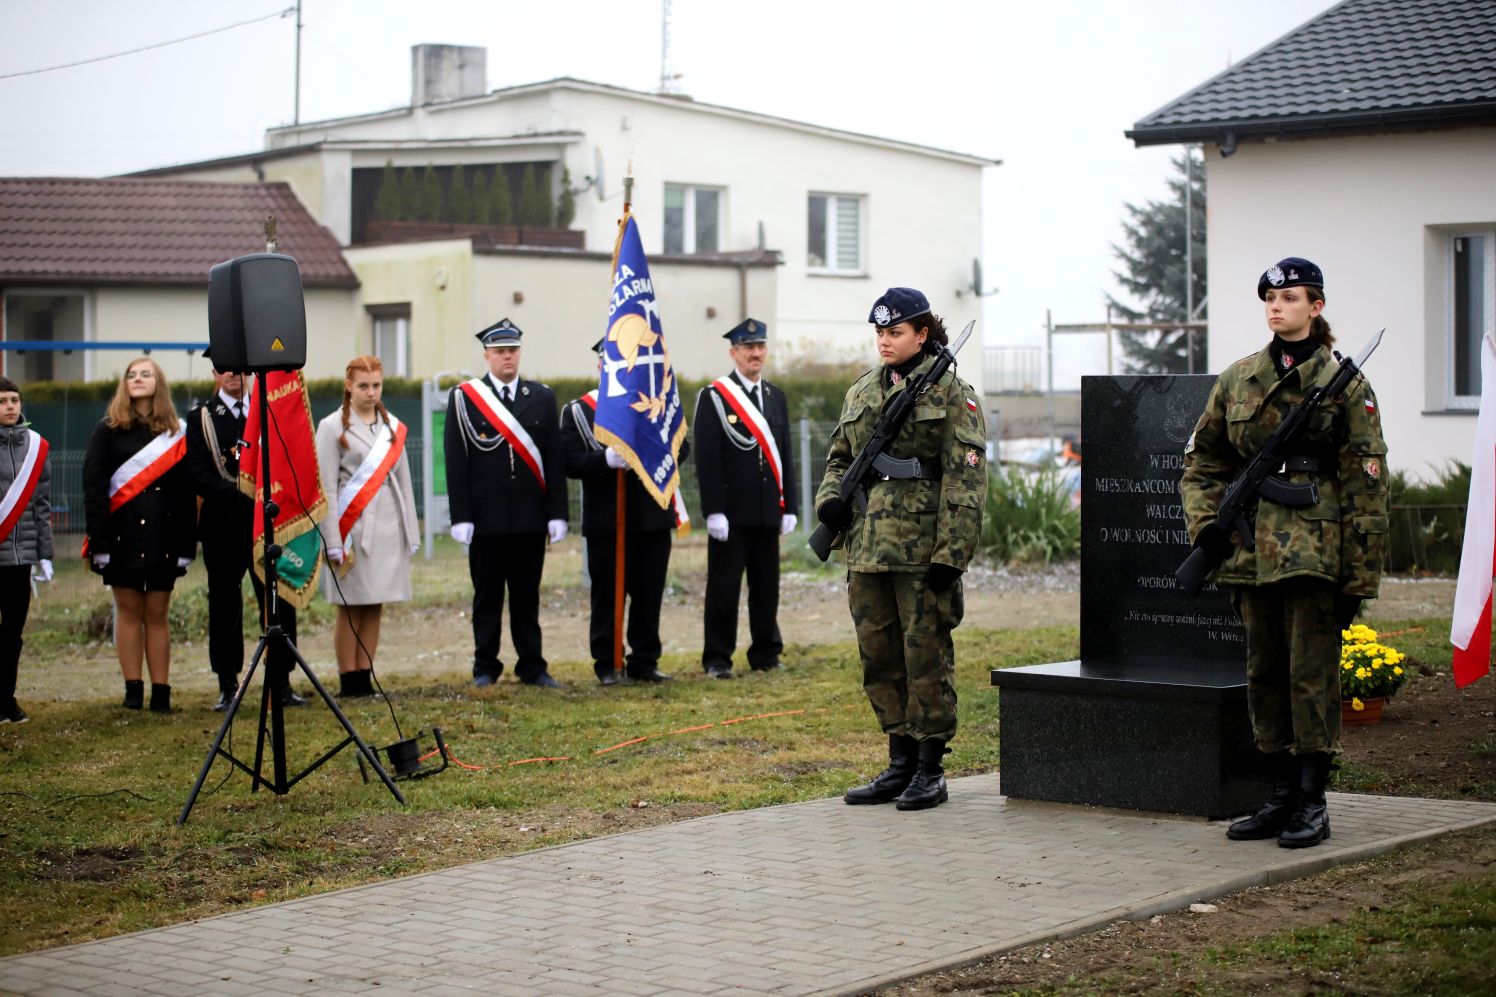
column 90, row 358
column 399, row 365
column 688, row 223
column 834, row 266
column 1453, row 400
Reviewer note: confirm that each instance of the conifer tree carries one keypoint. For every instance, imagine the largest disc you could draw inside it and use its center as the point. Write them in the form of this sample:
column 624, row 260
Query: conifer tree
column 534, row 200
column 387, row 201
column 501, row 203
column 409, row 195
column 1153, row 273
column 481, row 198
column 431, row 195
column 459, row 198
column 566, row 207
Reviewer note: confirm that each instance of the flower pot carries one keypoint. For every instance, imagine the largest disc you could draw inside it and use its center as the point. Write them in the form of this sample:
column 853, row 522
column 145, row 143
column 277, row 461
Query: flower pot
column 1370, row 714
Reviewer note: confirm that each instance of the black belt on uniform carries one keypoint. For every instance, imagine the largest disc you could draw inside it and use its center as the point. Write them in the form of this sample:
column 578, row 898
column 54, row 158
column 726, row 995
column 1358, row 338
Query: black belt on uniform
column 909, row 467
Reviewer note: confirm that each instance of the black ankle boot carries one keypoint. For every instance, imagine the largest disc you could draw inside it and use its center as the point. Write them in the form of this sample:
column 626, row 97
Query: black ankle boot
column 1275, row 814
column 927, row 788
column 1311, row 820
column 365, row 683
column 160, row 697
column 134, row 694
column 903, row 757
column 347, row 682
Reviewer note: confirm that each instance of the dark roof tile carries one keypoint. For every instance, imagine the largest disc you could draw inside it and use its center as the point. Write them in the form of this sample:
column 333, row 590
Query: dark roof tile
column 1361, row 65
column 74, row 230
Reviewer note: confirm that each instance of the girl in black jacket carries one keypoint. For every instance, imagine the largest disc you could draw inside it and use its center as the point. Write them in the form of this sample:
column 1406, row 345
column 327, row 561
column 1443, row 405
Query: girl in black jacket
column 141, row 516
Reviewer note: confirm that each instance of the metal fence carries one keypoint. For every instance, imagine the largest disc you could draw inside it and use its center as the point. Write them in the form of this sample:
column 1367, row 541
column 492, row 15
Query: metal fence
column 811, row 439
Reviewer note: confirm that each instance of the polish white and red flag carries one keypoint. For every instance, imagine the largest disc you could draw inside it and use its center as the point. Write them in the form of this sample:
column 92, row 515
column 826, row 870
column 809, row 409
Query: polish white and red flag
column 1470, row 630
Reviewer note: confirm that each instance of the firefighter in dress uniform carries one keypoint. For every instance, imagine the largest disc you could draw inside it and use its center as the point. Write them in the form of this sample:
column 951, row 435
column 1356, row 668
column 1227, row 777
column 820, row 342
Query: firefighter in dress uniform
column 646, row 545
column 745, row 468
column 215, row 431
column 506, row 489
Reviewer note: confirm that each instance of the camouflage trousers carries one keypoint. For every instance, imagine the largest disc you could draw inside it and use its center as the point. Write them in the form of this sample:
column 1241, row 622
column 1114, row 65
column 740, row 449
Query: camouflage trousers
column 908, row 660
column 1293, row 664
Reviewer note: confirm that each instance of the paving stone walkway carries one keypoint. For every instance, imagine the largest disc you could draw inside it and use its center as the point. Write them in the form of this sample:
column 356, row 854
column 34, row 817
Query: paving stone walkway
column 810, row 898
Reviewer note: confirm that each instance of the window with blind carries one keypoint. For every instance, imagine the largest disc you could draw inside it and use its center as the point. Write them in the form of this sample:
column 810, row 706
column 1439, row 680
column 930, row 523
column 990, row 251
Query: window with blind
column 1472, row 312
column 834, row 225
column 391, row 340
column 693, row 219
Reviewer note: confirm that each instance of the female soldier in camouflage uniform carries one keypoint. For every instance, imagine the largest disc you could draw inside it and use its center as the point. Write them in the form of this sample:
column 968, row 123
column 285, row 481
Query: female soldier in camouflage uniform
column 1313, row 565
column 907, row 551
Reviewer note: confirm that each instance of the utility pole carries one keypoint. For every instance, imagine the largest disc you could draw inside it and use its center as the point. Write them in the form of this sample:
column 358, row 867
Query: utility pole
column 296, row 112
column 1189, row 255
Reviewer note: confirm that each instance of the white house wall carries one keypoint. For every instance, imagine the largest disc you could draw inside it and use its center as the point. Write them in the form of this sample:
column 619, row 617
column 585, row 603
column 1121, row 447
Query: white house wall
column 181, row 315
column 921, row 223
column 1374, row 212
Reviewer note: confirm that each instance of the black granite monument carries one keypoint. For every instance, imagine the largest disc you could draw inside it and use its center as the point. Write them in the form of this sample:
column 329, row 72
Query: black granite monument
column 1154, row 714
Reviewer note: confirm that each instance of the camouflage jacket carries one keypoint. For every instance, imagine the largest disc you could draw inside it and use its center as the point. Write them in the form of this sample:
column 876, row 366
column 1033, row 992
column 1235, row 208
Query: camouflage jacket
column 1341, row 539
column 910, row 522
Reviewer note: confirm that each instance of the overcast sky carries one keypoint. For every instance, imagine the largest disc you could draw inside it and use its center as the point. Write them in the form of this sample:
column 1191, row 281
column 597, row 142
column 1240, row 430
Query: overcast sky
column 1048, row 88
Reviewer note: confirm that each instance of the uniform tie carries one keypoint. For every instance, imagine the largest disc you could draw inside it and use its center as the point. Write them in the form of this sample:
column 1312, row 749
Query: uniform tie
column 238, row 410
column 505, row 394
column 753, row 396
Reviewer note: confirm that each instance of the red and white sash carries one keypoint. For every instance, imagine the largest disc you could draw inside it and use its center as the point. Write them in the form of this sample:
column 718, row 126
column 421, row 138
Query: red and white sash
column 23, row 487
column 752, row 418
column 354, row 496
column 138, row 473
column 682, row 517
column 149, row 463
column 487, row 402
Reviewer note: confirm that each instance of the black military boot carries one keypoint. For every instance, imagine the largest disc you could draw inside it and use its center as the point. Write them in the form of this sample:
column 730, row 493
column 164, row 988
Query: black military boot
column 134, row 694
column 927, row 788
column 903, row 758
column 1311, row 820
column 1275, row 814
column 160, row 697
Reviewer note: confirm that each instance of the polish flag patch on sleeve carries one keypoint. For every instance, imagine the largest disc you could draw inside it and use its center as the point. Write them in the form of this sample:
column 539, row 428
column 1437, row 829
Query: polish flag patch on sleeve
column 971, row 404
column 1371, row 404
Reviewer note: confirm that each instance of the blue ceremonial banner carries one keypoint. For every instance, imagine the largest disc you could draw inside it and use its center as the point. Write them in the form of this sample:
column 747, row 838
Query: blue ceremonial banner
column 639, row 413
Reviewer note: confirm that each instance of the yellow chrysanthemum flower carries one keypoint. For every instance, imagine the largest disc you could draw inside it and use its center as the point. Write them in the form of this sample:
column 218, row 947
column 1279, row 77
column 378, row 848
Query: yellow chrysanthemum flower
column 1396, row 671
column 1357, row 705
column 1361, row 673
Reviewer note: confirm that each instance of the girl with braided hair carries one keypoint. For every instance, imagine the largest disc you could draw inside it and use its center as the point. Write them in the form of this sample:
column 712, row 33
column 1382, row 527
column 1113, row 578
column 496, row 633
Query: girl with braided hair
column 370, row 531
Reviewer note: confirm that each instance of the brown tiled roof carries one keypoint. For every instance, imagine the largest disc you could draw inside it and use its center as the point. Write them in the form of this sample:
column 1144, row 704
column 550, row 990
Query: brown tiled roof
column 85, row 231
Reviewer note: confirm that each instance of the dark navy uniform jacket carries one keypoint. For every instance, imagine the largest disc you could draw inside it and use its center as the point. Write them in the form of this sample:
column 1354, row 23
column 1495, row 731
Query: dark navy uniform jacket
column 599, row 481
column 736, row 482
column 491, row 486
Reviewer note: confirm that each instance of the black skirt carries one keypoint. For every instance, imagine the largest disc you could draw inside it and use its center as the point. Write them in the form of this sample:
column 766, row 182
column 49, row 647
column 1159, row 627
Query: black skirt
column 141, row 579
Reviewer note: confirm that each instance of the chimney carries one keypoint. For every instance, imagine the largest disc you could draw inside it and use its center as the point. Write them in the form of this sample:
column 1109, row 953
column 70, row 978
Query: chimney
column 447, row 72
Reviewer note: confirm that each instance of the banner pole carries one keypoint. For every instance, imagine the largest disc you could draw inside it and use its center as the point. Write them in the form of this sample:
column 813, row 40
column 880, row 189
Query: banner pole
column 620, row 507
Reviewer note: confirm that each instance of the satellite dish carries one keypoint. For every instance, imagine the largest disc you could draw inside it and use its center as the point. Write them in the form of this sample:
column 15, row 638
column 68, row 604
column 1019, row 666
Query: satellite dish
column 599, row 186
column 975, row 287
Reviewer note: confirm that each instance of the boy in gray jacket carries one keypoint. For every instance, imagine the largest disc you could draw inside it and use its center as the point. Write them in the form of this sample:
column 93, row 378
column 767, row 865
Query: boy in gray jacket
column 25, row 535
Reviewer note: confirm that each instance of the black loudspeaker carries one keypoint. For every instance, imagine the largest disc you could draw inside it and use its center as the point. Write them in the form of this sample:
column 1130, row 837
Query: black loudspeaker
column 256, row 314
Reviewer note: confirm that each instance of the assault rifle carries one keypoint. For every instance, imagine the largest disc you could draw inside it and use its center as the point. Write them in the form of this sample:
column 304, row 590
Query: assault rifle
column 871, row 463
column 1259, row 478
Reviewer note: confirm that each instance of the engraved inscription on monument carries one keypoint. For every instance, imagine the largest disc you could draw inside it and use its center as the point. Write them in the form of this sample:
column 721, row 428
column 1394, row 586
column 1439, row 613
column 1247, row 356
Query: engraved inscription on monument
column 1132, row 528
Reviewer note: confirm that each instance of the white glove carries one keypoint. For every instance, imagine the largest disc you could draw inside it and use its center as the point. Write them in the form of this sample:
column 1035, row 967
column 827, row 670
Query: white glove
column 101, row 560
column 556, row 530
column 183, row 562
column 787, row 524
column 716, row 526
column 44, row 569
column 415, row 549
column 336, row 555
column 462, row 533
column 615, row 461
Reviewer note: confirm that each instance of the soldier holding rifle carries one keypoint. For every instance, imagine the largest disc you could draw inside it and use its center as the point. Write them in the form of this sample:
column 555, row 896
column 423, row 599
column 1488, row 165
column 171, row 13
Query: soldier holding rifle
column 1285, row 493
column 906, row 479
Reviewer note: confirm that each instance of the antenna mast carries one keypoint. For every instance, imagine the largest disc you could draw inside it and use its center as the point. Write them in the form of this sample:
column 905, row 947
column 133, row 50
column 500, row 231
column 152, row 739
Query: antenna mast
column 296, row 112
column 667, row 78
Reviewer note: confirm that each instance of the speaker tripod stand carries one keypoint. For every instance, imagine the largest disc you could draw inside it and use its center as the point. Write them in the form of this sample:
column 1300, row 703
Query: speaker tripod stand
column 273, row 637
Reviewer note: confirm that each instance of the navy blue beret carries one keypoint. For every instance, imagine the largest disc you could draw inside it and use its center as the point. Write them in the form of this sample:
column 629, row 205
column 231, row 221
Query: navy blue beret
column 501, row 333
column 1293, row 271
column 898, row 304
column 750, row 330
